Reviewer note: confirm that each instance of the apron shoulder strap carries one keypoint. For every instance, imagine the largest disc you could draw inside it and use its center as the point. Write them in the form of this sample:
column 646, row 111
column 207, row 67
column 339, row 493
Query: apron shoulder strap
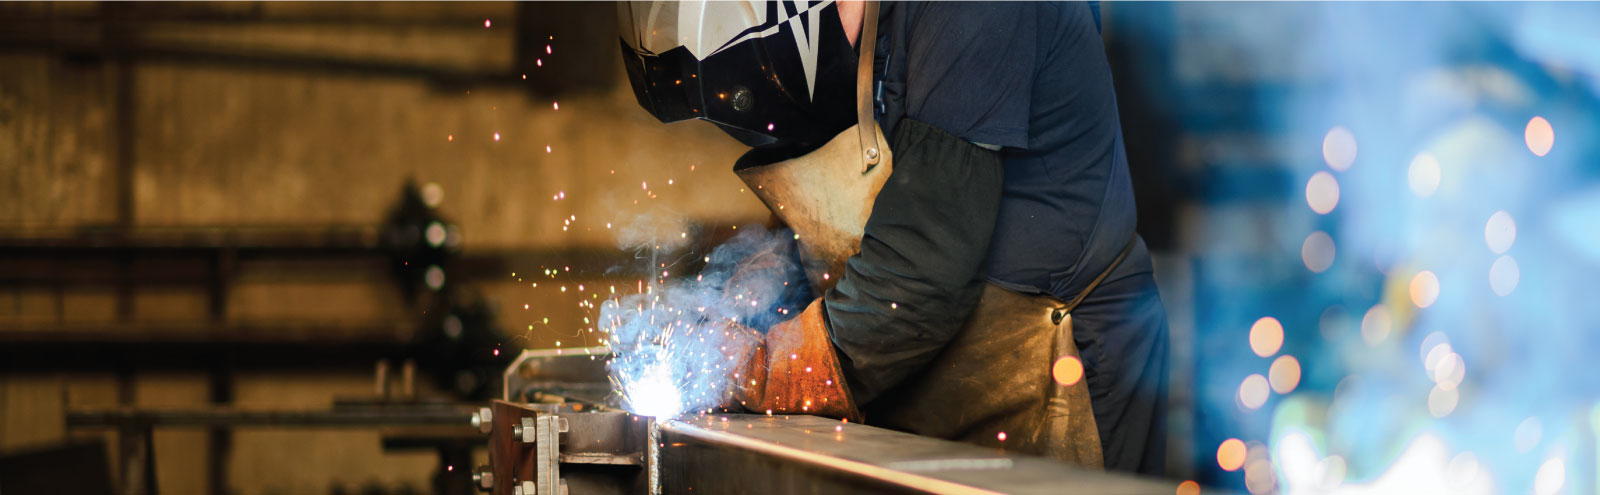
column 866, row 124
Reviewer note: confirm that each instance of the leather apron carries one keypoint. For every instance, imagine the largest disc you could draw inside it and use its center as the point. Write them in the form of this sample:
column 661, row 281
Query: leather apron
column 995, row 376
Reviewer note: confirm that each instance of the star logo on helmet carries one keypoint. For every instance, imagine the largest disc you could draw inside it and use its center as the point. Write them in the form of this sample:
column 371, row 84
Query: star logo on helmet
column 806, row 31
column 797, row 15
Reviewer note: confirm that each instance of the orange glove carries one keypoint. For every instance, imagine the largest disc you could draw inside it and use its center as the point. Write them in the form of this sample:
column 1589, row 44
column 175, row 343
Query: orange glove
column 794, row 370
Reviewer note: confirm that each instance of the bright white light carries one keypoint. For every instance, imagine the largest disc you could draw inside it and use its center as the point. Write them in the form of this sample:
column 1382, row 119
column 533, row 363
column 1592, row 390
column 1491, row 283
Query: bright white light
column 1297, row 459
column 1500, row 232
column 1322, row 192
column 653, row 394
column 435, row 234
column 1504, row 275
column 1435, row 356
column 1462, row 470
column 1424, row 175
column 1421, row 468
column 1253, row 391
column 1449, row 371
column 1434, row 346
column 1424, row 289
column 1330, row 472
column 1552, row 474
column 1442, row 402
column 1339, row 148
column 1527, row 434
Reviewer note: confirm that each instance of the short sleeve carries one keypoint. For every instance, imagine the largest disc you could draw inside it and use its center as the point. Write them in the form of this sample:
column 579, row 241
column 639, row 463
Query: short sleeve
column 970, row 69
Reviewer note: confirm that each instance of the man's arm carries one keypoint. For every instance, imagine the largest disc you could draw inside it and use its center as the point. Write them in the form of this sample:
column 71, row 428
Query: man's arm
column 917, row 277
column 964, row 74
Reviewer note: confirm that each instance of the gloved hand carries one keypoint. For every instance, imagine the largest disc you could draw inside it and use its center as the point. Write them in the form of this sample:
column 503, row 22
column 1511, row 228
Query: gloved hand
column 794, row 370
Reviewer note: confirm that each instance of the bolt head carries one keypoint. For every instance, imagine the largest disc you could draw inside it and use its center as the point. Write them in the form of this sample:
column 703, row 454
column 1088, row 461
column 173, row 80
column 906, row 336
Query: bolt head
column 483, row 420
column 484, row 480
column 743, row 99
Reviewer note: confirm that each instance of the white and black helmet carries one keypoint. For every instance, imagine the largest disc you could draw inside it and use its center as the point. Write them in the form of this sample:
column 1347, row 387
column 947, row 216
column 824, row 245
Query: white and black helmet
column 777, row 73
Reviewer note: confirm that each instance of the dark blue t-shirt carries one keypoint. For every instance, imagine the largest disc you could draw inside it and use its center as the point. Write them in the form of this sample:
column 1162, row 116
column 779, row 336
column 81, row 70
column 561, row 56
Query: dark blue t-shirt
column 1031, row 78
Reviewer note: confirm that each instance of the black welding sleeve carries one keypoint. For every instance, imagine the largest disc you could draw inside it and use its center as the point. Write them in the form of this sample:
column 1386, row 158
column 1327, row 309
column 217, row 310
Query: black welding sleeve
column 910, row 289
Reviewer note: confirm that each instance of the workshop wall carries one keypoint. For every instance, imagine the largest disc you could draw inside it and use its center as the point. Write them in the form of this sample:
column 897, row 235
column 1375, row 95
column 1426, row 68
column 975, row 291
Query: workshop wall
column 273, row 115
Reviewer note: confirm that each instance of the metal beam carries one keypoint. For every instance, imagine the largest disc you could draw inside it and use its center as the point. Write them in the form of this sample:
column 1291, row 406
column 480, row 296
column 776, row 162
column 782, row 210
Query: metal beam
column 808, row 454
column 369, row 416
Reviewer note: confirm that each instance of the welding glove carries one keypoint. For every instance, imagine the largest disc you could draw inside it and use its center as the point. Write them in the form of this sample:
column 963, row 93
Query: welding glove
column 794, row 370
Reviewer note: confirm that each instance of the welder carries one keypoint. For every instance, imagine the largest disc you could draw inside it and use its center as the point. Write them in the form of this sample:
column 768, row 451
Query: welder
column 956, row 175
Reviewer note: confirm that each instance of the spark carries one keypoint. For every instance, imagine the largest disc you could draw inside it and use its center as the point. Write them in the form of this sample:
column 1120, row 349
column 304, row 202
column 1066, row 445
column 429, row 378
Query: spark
column 486, row 24
column 496, row 136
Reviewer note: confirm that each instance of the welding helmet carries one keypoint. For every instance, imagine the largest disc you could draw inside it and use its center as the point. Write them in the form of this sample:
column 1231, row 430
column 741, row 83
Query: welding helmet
column 773, row 74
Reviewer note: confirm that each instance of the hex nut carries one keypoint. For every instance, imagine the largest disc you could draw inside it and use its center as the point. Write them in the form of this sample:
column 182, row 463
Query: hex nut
column 484, row 479
column 483, row 420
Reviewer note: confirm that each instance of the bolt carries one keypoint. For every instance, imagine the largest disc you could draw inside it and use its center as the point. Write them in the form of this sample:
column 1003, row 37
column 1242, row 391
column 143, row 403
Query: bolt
column 872, row 153
column 484, row 479
column 742, row 99
column 483, row 420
